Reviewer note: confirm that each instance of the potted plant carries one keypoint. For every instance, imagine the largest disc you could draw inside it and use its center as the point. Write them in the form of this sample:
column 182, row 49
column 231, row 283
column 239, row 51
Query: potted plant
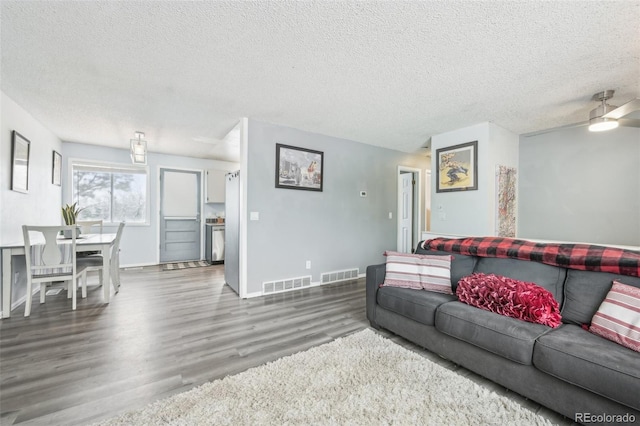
column 70, row 214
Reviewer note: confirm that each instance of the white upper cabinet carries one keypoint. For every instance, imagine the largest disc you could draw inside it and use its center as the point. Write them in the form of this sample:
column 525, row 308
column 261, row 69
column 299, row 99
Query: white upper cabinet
column 215, row 186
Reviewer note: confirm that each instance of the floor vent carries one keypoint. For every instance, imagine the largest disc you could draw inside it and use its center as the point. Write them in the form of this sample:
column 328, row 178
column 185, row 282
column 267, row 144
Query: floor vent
column 270, row 287
column 337, row 276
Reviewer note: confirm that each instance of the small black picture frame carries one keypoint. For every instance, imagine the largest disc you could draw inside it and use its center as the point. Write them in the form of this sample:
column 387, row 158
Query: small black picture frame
column 20, row 163
column 299, row 168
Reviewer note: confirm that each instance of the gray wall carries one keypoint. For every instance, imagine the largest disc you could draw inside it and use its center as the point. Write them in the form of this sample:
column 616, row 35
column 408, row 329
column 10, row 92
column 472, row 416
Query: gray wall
column 139, row 245
column 576, row 185
column 335, row 229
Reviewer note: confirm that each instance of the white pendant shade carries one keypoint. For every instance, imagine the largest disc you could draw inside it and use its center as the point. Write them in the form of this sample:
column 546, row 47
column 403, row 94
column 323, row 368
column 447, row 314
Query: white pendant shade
column 139, row 149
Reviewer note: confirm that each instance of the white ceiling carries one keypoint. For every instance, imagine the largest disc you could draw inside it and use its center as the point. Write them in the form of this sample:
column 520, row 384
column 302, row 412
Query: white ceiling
column 384, row 73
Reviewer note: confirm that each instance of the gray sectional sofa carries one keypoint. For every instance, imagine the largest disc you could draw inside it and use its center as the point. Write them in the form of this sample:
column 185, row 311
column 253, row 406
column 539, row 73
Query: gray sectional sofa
column 567, row 369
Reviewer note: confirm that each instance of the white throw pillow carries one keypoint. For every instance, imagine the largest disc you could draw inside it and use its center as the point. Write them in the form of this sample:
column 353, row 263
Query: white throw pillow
column 418, row 271
column 618, row 317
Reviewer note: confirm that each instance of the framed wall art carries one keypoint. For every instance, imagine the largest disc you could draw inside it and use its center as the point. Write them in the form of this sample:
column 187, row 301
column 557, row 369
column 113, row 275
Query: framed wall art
column 298, row 168
column 457, row 168
column 20, row 163
column 56, row 177
column 506, row 201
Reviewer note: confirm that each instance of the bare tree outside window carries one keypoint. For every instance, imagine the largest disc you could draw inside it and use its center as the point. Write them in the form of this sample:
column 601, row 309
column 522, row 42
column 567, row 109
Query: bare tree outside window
column 110, row 194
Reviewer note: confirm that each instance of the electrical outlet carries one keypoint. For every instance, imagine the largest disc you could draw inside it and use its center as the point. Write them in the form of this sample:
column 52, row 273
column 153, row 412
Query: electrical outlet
column 390, row 215
column 308, row 264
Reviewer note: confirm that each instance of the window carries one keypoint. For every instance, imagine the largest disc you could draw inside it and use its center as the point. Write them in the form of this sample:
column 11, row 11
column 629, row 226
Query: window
column 113, row 193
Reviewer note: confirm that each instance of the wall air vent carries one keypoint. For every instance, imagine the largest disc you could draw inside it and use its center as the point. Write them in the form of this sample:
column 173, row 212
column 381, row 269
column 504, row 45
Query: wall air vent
column 337, row 276
column 287, row 284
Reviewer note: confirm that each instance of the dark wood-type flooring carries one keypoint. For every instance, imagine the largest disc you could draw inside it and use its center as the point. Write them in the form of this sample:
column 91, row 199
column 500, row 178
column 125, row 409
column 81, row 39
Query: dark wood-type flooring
column 164, row 333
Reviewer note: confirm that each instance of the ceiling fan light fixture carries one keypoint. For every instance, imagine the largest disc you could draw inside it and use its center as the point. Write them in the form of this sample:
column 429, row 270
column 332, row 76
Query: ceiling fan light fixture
column 139, row 149
column 600, row 124
column 597, row 123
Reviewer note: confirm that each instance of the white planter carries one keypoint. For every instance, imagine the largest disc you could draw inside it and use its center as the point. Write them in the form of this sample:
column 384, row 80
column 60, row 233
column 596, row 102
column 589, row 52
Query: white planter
column 67, row 233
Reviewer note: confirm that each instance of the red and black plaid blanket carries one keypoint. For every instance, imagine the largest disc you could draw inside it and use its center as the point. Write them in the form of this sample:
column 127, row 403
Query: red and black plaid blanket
column 585, row 257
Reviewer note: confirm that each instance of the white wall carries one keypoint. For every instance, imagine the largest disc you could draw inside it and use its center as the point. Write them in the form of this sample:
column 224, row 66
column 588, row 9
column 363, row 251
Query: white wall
column 573, row 185
column 466, row 212
column 503, row 151
column 41, row 205
column 335, row 229
column 576, row 185
column 139, row 245
column 472, row 212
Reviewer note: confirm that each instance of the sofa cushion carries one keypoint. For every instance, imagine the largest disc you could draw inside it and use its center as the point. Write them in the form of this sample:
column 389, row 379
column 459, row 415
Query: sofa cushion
column 618, row 317
column 591, row 362
column 418, row 271
column 418, row 305
column 461, row 265
column 512, row 298
column 584, row 291
column 550, row 277
column 508, row 337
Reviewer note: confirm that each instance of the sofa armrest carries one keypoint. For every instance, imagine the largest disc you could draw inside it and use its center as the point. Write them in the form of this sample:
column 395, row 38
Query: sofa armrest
column 375, row 277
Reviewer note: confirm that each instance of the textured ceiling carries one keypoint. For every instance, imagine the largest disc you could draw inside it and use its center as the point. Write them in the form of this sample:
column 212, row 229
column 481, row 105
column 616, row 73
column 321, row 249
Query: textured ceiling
column 384, row 73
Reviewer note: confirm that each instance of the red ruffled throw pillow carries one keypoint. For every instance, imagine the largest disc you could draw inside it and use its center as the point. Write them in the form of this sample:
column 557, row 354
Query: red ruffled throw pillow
column 509, row 297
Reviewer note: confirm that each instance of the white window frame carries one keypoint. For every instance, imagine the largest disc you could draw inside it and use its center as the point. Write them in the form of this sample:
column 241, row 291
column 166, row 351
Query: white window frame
column 111, row 166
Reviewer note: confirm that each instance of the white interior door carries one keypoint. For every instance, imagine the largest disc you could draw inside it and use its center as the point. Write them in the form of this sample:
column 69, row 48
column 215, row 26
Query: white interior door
column 180, row 203
column 427, row 201
column 405, row 224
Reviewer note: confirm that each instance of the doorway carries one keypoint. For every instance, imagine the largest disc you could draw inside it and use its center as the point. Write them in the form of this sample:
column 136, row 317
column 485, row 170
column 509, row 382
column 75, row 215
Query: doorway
column 409, row 208
column 427, row 201
column 180, row 206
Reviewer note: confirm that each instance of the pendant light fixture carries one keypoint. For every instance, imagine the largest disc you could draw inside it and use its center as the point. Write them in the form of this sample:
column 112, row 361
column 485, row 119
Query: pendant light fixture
column 139, row 149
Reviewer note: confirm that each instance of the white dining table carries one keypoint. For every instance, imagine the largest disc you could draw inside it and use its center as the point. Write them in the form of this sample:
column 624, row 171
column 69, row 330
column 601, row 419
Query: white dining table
column 85, row 242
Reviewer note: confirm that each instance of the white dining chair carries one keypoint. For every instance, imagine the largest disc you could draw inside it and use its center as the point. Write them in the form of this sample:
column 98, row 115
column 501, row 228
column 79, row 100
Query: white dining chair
column 95, row 262
column 53, row 260
column 89, row 226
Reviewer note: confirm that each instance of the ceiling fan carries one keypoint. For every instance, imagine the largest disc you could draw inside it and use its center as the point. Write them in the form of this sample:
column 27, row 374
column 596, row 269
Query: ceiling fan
column 604, row 117
column 607, row 117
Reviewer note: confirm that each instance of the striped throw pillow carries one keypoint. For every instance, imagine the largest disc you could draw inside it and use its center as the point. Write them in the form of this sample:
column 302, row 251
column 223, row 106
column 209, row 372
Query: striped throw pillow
column 618, row 317
column 417, row 271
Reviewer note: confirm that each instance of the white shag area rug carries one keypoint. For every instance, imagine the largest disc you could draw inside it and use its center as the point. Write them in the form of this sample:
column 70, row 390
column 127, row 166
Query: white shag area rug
column 361, row 379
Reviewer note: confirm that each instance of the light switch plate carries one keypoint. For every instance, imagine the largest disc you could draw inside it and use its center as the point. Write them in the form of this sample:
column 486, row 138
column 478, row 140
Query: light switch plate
column 254, row 216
